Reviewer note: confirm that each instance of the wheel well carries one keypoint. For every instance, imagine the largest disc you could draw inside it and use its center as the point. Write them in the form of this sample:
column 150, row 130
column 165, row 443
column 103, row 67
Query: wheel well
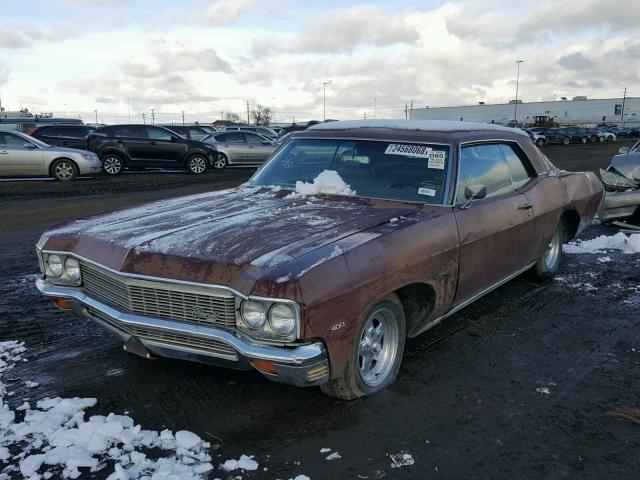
column 571, row 222
column 61, row 158
column 417, row 301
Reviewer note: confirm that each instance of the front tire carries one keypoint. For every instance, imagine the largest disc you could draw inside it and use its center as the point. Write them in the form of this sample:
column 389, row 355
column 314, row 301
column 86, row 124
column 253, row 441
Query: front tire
column 197, row 164
column 584, row 140
column 221, row 161
column 601, row 139
column 112, row 164
column 540, row 142
column 376, row 353
column 566, row 141
column 549, row 262
column 64, row 170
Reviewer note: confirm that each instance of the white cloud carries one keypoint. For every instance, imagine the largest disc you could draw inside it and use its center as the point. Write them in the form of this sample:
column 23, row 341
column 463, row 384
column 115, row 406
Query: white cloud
column 164, row 62
column 225, row 11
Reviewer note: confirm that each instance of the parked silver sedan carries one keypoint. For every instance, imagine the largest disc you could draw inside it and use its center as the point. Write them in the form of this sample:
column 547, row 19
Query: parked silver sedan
column 236, row 147
column 22, row 156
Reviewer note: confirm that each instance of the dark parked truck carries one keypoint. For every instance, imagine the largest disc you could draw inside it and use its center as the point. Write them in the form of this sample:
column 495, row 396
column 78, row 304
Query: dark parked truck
column 353, row 237
column 143, row 146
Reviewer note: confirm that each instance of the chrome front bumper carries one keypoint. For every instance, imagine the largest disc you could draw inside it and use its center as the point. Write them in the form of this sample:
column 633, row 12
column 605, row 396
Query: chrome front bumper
column 301, row 365
column 618, row 205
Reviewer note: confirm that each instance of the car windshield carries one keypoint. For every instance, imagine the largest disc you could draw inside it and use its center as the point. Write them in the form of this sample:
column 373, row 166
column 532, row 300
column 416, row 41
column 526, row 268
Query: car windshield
column 406, row 171
column 39, row 143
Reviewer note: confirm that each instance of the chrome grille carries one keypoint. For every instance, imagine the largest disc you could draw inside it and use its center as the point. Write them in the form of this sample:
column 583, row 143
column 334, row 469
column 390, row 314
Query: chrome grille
column 159, row 299
column 165, row 337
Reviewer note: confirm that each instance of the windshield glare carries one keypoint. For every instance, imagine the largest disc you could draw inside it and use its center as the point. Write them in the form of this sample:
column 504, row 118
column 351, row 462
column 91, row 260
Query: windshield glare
column 406, row 171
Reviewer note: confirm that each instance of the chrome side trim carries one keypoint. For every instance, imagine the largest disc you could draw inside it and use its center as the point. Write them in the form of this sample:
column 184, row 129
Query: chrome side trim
column 297, row 355
column 459, row 307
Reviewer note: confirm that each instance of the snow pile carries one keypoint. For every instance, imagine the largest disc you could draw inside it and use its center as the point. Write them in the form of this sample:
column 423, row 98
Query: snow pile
column 619, row 241
column 328, row 182
column 244, row 463
column 333, row 456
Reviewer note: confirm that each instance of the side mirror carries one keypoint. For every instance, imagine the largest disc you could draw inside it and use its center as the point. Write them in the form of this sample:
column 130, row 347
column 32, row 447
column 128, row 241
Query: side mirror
column 473, row 192
column 29, row 145
column 624, row 150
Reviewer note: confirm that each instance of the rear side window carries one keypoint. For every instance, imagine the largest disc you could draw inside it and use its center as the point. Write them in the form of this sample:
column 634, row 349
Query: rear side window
column 48, row 131
column 253, row 139
column 73, row 132
column 520, row 168
column 127, row 131
column 156, row 133
column 234, row 137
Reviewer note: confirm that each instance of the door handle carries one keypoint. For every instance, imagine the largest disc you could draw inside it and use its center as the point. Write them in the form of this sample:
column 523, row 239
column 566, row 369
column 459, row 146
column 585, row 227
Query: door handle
column 526, row 206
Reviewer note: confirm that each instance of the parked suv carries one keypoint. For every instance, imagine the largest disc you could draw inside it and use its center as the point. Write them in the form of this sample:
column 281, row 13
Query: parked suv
column 70, row 136
column 141, row 146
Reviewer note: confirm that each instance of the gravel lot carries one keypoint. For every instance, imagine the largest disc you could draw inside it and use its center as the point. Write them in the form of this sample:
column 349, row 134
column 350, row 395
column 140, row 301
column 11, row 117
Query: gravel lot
column 518, row 384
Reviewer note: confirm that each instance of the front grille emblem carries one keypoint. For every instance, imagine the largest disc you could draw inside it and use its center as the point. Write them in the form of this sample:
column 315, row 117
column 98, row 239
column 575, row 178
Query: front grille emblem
column 201, row 314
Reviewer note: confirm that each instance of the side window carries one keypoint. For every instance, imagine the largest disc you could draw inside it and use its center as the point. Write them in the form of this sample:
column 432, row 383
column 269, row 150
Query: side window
column 521, row 170
column 49, row 131
column 9, row 140
column 128, row 131
column 235, row 137
column 483, row 165
column 252, row 139
column 72, row 132
column 156, row 133
column 221, row 138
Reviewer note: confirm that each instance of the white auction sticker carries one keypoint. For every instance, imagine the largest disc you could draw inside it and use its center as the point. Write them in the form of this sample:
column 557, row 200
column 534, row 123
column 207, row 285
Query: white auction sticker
column 408, row 150
column 436, row 159
column 427, row 191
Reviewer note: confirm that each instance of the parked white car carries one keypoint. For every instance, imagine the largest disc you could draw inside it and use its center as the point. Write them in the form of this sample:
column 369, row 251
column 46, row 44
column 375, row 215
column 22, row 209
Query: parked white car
column 23, row 156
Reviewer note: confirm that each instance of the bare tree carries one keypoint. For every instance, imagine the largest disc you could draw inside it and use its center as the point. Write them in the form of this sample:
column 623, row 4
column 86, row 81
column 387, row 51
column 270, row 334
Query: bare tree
column 231, row 117
column 262, row 115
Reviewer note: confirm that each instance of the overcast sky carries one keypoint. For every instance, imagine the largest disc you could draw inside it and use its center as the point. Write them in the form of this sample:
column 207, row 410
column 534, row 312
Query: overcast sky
column 207, row 56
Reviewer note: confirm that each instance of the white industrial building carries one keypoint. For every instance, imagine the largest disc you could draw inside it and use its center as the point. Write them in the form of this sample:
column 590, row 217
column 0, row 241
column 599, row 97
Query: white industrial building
column 579, row 110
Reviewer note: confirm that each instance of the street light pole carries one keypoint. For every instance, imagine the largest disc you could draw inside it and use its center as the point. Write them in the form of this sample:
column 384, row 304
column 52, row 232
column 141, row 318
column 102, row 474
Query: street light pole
column 324, row 100
column 375, row 108
column 515, row 108
column 96, row 112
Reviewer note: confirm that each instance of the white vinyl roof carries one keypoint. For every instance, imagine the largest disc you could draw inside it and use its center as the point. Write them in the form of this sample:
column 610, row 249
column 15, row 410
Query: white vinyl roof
column 426, row 125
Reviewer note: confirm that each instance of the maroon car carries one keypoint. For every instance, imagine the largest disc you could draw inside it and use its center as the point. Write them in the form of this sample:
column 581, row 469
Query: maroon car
column 351, row 238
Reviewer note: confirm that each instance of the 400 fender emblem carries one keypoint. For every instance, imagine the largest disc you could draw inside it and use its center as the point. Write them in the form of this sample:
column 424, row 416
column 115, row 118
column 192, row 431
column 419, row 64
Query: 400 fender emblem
column 338, row 326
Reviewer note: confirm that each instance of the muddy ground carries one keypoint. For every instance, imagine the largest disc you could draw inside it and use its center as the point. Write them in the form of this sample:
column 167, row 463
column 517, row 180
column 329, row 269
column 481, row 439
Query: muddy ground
column 470, row 399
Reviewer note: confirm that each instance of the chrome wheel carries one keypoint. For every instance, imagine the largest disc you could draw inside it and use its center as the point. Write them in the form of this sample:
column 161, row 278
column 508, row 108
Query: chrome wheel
column 552, row 253
column 112, row 165
column 220, row 161
column 378, row 346
column 63, row 171
column 197, row 165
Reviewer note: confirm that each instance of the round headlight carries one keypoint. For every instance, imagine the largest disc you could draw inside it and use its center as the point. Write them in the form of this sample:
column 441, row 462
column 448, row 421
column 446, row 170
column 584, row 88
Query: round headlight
column 54, row 264
column 72, row 267
column 282, row 319
column 253, row 314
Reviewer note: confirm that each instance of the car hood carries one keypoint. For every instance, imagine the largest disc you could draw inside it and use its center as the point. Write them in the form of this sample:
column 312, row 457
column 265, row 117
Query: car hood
column 628, row 164
column 231, row 237
column 77, row 151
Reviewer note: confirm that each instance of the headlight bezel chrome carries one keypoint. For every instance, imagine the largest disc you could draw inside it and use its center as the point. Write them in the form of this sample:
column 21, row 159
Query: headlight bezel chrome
column 266, row 331
column 71, row 274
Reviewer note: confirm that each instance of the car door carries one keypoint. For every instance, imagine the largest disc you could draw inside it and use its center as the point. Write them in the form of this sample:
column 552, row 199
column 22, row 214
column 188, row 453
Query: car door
column 163, row 149
column 498, row 236
column 18, row 160
column 257, row 151
column 133, row 140
column 48, row 135
column 73, row 137
column 235, row 145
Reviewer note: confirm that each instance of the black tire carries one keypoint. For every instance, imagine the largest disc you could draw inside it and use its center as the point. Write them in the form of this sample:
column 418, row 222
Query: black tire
column 112, row 164
column 352, row 384
column 584, row 140
column 221, row 161
column 64, row 170
column 197, row 164
column 547, row 265
column 540, row 142
column 566, row 141
column 601, row 139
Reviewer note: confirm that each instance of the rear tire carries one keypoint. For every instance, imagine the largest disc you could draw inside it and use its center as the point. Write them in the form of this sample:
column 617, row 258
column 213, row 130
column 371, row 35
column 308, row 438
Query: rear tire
column 112, row 164
column 376, row 353
column 566, row 141
column 197, row 164
column 601, row 139
column 584, row 140
column 221, row 161
column 540, row 142
column 549, row 262
column 64, row 170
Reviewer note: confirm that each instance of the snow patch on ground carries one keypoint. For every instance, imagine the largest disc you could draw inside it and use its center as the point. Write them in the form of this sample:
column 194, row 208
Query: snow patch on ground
column 401, row 460
column 619, row 241
column 333, row 456
column 329, row 182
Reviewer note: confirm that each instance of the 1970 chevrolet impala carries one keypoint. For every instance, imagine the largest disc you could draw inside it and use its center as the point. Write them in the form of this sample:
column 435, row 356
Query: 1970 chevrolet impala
column 351, row 238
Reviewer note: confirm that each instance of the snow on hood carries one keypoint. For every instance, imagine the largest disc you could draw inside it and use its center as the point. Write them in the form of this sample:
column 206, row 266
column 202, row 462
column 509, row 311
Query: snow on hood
column 328, row 182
